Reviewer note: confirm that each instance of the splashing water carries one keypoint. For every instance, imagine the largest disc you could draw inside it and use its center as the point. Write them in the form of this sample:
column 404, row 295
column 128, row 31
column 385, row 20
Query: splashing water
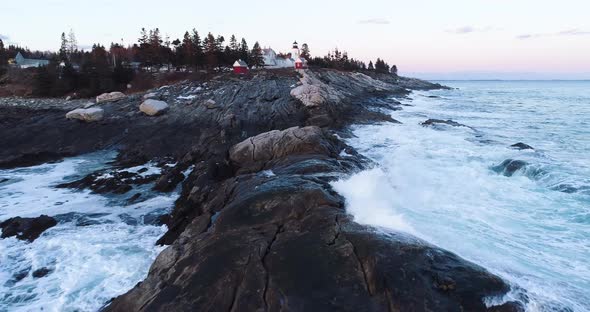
column 89, row 262
column 531, row 227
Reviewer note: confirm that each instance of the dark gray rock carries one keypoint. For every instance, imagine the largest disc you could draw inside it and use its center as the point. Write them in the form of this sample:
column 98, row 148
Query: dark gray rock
column 275, row 235
column 521, row 146
column 42, row 272
column 26, row 228
column 110, row 181
column 509, row 166
column 433, row 122
column 168, row 181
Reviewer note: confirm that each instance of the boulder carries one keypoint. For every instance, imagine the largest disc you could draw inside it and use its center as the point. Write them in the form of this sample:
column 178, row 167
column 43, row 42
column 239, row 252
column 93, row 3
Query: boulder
column 509, row 166
column 153, row 107
column 277, row 144
column 26, row 228
column 314, row 92
column 210, row 104
column 109, row 97
column 41, row 272
column 86, row 114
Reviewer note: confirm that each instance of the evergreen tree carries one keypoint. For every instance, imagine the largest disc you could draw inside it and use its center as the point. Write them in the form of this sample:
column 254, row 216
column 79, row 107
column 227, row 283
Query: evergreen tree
column 197, row 49
column 63, row 50
column 371, row 67
column 256, row 58
column 177, row 57
column 243, row 51
column 210, row 46
column 305, row 52
column 143, row 50
column 155, row 47
column 233, row 45
column 188, row 51
column 219, row 43
column 381, row 66
column 219, row 51
column 394, row 70
column 3, row 58
column 143, row 39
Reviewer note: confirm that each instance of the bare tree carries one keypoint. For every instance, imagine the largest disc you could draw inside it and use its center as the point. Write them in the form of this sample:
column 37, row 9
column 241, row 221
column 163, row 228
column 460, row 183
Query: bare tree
column 72, row 42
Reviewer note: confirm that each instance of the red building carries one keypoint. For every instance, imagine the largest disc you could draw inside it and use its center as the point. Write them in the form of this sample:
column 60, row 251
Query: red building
column 300, row 63
column 240, row 67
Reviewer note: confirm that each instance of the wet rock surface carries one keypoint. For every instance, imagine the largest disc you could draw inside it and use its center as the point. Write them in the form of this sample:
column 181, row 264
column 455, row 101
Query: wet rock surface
column 257, row 226
column 42, row 272
column 111, row 181
column 434, row 122
column 280, row 239
column 26, row 228
column 510, row 166
column 521, row 146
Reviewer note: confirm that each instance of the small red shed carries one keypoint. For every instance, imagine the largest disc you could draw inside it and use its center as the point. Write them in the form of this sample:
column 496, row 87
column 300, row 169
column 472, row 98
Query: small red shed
column 300, row 63
column 240, row 67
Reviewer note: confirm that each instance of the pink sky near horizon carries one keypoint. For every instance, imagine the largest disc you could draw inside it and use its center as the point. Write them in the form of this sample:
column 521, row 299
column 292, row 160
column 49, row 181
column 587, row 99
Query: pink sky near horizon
column 419, row 36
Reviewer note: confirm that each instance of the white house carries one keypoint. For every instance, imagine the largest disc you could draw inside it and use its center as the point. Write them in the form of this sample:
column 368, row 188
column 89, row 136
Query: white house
column 272, row 60
column 23, row 62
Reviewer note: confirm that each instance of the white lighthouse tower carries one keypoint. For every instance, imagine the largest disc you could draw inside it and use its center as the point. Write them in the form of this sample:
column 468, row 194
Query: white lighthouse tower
column 295, row 52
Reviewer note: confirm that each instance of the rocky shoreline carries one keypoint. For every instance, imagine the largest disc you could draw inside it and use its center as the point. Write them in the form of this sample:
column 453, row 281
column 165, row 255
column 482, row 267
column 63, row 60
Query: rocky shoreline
column 257, row 226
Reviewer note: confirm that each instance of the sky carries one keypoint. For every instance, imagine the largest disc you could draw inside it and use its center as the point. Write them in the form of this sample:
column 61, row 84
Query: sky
column 434, row 39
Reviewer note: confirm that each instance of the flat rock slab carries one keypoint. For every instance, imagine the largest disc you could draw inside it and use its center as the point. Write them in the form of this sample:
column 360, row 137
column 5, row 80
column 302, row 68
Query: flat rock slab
column 109, row 97
column 86, row 114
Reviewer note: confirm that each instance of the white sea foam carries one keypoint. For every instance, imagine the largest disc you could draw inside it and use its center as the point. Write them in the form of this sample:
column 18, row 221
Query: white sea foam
column 368, row 200
column 89, row 264
column 440, row 181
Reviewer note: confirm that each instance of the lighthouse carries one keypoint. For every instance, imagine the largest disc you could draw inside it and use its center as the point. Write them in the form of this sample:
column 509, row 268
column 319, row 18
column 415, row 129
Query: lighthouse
column 295, row 51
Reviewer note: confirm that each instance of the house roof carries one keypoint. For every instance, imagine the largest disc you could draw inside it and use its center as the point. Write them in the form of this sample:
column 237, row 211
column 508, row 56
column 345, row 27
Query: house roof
column 26, row 61
column 268, row 51
column 240, row 63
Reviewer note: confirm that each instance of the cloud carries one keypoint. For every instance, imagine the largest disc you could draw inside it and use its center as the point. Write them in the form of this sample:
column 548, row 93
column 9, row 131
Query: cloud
column 567, row 32
column 462, row 30
column 375, row 21
column 469, row 29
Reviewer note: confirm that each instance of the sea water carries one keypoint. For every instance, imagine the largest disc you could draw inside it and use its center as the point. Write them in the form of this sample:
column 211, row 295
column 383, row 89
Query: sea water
column 438, row 182
column 100, row 248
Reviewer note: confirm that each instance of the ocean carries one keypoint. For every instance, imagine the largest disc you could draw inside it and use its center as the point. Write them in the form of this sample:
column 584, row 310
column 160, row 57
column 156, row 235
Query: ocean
column 101, row 247
column 528, row 223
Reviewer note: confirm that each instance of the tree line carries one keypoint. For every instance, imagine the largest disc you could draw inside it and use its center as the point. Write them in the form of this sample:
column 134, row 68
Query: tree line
column 340, row 60
column 101, row 70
